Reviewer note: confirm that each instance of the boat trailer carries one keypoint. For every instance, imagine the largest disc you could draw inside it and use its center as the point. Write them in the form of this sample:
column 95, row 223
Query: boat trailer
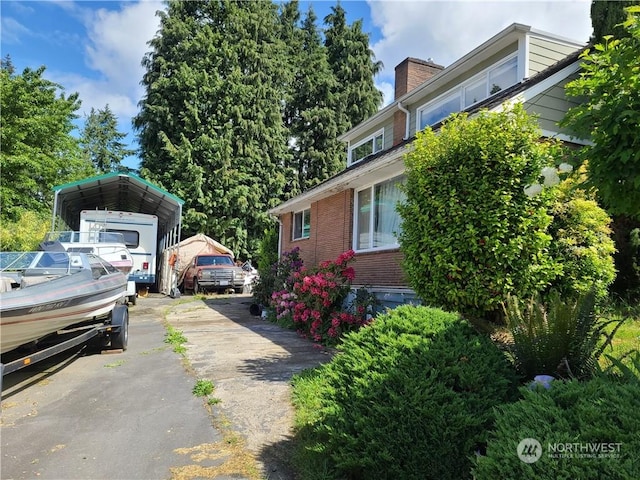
column 115, row 327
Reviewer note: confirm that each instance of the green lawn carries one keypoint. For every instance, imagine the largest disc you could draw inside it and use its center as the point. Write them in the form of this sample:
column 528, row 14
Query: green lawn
column 626, row 338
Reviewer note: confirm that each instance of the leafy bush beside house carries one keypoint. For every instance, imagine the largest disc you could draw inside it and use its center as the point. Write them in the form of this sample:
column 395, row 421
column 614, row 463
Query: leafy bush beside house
column 582, row 242
column 408, row 396
column 314, row 301
column 470, row 235
column 277, row 276
column 472, row 231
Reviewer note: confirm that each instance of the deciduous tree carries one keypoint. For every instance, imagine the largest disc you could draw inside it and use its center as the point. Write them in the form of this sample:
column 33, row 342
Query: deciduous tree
column 37, row 150
column 609, row 115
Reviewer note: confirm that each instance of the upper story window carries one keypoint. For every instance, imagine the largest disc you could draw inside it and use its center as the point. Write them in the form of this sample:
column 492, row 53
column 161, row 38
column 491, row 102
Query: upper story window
column 440, row 110
column 302, row 224
column 494, row 79
column 366, row 147
column 377, row 222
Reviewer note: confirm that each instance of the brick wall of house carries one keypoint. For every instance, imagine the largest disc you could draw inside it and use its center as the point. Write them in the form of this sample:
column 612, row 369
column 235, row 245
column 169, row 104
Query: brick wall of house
column 334, row 221
column 331, row 234
column 379, row 269
column 305, row 245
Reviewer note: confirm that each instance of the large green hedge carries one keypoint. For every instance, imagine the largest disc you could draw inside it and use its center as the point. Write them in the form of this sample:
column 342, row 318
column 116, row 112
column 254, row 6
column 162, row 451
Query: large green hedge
column 410, row 396
column 470, row 234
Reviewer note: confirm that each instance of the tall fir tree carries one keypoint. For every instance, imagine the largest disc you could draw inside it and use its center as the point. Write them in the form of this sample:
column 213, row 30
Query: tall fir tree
column 292, row 40
column 101, row 142
column 315, row 129
column 606, row 17
column 210, row 124
column 354, row 67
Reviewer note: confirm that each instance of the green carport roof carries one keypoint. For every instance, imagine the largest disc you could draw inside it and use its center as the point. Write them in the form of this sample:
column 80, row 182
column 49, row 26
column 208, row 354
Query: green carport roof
column 120, row 192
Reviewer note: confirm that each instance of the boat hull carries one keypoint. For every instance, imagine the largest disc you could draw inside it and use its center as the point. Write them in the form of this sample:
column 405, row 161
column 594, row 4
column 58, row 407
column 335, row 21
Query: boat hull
column 30, row 313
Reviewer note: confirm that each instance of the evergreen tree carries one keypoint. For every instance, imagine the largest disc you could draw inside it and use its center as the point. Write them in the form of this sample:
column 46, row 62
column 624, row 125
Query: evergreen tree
column 37, row 150
column 101, row 141
column 606, row 17
column 292, row 41
column 210, row 123
column 354, row 67
column 318, row 153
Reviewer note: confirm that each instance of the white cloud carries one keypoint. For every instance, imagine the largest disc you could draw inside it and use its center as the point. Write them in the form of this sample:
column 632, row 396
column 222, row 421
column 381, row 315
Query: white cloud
column 447, row 30
column 13, row 31
column 117, row 43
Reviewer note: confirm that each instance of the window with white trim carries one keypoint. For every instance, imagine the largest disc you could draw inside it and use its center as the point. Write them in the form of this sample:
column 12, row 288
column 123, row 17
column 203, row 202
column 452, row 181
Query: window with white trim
column 491, row 81
column 377, row 221
column 302, row 224
column 366, row 147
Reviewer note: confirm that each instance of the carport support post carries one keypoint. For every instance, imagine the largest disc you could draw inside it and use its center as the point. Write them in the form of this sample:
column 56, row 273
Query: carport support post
column 55, row 209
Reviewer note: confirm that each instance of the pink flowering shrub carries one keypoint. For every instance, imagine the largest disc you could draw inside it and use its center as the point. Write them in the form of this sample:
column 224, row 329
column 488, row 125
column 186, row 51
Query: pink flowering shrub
column 317, row 301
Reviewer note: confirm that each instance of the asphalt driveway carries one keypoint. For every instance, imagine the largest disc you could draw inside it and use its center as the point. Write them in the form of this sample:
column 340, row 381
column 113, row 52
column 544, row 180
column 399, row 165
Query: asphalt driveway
column 132, row 415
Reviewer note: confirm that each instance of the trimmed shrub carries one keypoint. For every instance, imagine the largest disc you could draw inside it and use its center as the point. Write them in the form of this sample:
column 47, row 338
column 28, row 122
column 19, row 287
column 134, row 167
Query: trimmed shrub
column 411, row 396
column 470, row 235
column 569, row 415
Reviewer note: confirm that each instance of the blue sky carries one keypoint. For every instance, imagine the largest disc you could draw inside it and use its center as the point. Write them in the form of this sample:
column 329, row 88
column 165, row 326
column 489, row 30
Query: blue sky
column 95, row 47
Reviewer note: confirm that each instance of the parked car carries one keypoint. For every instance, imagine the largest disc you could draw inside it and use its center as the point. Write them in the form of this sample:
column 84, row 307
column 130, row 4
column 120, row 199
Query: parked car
column 211, row 272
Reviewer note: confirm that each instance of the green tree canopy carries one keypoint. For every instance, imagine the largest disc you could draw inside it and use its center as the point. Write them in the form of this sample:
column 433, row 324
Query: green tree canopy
column 609, row 114
column 354, row 67
column 210, row 123
column 318, row 154
column 101, row 142
column 607, row 17
column 243, row 107
column 37, row 150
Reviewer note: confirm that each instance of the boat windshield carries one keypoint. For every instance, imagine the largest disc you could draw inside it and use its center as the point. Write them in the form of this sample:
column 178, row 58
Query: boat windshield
column 16, row 260
column 19, row 261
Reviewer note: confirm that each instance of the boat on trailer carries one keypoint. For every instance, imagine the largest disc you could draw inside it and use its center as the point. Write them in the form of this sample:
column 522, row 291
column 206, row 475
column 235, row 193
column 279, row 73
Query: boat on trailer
column 46, row 291
column 110, row 246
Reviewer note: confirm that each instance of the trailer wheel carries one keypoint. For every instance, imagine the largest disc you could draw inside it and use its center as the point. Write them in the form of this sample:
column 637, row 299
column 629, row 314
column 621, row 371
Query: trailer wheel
column 133, row 299
column 120, row 319
column 196, row 287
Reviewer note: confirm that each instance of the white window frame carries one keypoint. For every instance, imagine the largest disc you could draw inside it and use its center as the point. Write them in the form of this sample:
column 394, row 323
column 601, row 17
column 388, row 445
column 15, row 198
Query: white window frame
column 370, row 138
column 460, row 89
column 356, row 209
column 302, row 229
column 438, row 101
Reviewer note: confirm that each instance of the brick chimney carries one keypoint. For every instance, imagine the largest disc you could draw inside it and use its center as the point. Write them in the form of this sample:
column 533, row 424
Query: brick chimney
column 410, row 73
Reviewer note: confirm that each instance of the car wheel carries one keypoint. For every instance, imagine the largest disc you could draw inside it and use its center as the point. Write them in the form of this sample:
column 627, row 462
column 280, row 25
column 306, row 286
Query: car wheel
column 196, row 287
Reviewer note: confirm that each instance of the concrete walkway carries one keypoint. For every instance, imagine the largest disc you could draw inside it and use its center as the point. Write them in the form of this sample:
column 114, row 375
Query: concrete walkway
column 251, row 362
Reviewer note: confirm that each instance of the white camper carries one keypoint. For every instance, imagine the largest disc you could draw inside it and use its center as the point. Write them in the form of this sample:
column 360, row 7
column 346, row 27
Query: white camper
column 140, row 232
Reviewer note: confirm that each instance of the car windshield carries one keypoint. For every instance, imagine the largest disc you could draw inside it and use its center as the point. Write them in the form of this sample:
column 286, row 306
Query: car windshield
column 206, row 260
